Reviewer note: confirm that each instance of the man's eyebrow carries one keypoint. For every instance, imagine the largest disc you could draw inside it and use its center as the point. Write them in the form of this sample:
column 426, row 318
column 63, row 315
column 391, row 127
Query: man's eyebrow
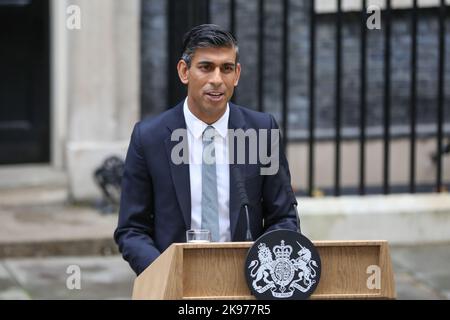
column 204, row 62
column 210, row 62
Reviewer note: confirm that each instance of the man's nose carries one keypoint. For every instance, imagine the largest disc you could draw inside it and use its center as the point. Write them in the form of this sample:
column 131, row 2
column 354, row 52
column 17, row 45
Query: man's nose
column 216, row 77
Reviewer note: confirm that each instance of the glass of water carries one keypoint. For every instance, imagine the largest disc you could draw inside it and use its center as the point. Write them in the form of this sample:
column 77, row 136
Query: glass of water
column 198, row 236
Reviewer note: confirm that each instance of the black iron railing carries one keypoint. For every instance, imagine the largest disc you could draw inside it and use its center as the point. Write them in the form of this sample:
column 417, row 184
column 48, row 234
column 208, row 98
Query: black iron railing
column 387, row 22
column 386, row 104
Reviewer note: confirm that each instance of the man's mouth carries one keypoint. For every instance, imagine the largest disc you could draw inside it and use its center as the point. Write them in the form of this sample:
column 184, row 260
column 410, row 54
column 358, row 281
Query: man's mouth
column 215, row 95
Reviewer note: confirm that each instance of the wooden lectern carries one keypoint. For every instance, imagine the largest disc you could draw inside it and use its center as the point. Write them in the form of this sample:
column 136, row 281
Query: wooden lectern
column 216, row 271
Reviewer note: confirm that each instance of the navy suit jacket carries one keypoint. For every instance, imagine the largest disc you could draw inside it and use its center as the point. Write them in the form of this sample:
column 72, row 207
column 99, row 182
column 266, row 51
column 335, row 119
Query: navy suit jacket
column 155, row 207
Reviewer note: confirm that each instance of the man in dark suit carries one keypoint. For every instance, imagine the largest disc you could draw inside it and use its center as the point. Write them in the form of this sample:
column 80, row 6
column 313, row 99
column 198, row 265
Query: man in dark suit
column 163, row 197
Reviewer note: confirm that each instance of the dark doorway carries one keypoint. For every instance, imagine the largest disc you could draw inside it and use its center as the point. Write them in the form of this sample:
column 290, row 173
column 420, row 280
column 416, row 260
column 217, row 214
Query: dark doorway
column 24, row 81
column 183, row 16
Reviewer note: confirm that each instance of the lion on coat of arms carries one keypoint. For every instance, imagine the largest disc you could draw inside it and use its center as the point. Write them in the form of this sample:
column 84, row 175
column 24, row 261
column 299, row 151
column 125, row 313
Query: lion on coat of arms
column 264, row 270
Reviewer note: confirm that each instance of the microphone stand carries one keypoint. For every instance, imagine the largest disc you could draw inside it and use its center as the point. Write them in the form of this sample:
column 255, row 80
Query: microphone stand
column 244, row 201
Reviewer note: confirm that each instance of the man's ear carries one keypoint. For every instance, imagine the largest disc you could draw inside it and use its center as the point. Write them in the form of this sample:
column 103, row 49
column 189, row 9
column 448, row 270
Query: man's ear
column 238, row 74
column 183, row 71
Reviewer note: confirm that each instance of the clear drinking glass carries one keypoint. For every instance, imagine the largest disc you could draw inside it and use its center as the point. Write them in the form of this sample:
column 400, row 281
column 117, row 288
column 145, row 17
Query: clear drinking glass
column 198, row 236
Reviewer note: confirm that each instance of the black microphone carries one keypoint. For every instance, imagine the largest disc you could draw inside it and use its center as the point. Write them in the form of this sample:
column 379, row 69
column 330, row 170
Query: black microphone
column 244, row 200
column 290, row 193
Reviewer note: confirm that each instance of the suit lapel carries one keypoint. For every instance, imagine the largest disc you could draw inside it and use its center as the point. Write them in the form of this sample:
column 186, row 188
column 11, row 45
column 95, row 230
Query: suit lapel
column 180, row 172
column 236, row 121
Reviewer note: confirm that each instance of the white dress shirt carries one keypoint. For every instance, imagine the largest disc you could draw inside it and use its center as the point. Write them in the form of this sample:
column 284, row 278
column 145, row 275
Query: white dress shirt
column 195, row 128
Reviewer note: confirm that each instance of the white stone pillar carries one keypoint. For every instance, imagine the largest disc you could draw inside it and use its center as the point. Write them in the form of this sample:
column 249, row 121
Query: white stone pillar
column 103, row 88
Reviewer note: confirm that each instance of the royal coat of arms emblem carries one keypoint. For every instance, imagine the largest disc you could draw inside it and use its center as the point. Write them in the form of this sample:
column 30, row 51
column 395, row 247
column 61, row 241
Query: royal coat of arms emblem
column 283, row 265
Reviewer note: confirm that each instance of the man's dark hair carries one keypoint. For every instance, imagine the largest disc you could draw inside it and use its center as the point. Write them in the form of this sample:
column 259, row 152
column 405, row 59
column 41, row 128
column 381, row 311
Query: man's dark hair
column 207, row 36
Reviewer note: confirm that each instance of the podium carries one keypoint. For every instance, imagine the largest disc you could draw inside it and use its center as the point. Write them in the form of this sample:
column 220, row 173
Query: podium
column 216, row 271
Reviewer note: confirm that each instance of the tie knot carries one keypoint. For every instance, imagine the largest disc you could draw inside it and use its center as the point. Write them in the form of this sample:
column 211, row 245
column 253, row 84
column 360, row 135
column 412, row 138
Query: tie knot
column 208, row 134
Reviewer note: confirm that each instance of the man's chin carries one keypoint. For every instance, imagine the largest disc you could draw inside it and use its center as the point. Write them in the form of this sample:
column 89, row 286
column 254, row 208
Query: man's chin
column 214, row 108
column 214, row 111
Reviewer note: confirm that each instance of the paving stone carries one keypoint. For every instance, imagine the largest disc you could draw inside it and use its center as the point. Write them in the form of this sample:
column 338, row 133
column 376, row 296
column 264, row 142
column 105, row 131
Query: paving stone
column 9, row 288
column 100, row 277
column 409, row 288
column 427, row 264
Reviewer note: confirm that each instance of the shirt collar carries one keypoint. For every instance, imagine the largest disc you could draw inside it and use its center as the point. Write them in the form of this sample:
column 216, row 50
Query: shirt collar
column 197, row 126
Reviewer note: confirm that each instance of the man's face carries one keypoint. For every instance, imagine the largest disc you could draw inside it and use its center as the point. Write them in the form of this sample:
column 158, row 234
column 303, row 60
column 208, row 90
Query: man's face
column 211, row 80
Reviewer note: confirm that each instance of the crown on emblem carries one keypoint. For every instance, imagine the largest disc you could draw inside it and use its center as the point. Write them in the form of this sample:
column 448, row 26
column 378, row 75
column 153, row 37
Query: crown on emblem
column 282, row 252
column 262, row 246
